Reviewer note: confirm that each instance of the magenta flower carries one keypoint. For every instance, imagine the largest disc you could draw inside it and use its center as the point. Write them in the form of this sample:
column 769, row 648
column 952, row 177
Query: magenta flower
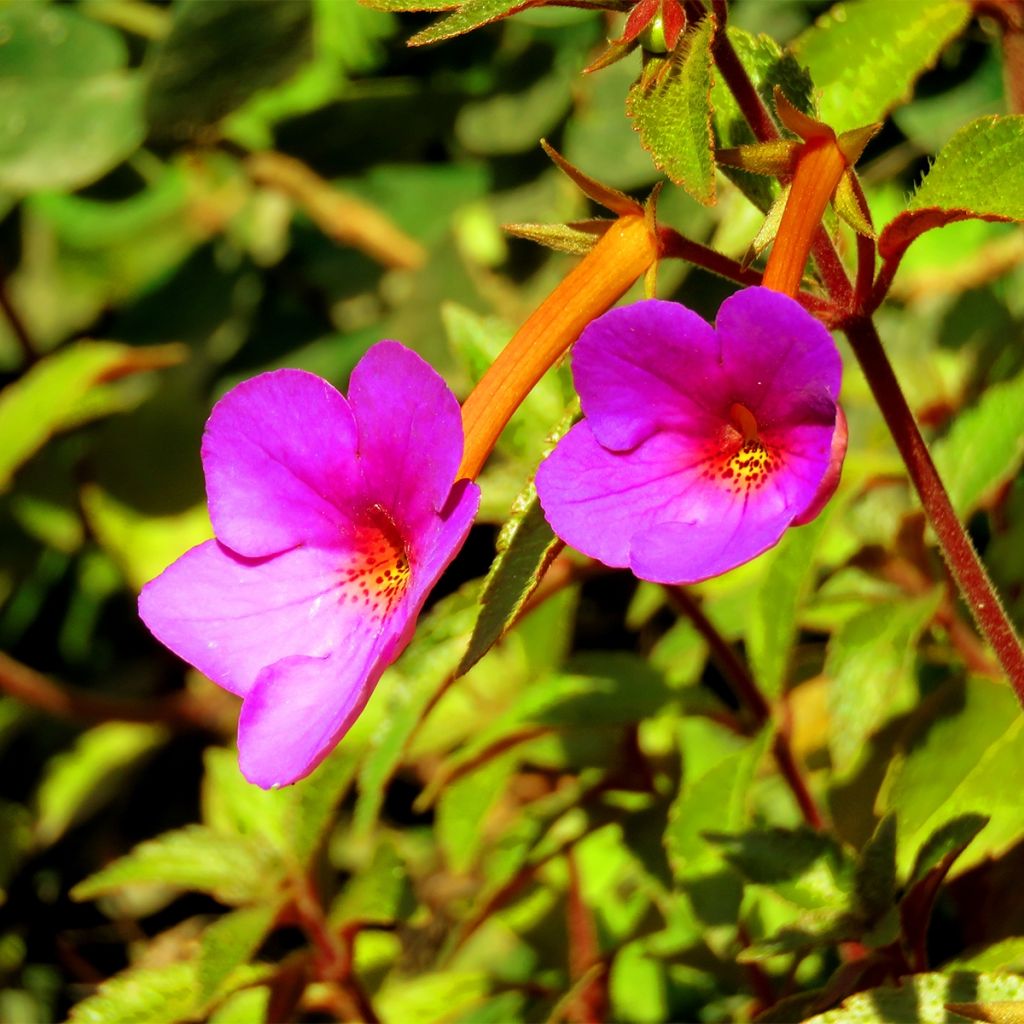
column 700, row 445
column 334, row 519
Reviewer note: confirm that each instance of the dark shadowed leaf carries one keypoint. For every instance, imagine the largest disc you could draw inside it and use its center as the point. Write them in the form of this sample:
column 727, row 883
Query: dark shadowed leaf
column 217, row 54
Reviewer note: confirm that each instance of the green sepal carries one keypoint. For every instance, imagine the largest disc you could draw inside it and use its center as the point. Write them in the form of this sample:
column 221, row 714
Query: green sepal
column 576, row 238
column 848, row 207
column 771, row 158
column 769, row 229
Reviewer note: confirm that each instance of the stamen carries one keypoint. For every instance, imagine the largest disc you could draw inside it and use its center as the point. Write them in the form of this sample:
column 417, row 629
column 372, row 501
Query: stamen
column 745, row 421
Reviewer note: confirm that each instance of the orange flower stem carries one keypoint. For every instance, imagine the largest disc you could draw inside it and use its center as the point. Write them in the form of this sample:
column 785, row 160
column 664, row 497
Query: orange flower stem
column 622, row 255
column 819, row 167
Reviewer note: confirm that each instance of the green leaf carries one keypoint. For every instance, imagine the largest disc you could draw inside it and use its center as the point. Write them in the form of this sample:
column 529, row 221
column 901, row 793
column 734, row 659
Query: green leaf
column 975, row 175
column 71, row 113
column 768, row 66
column 964, row 754
column 463, row 805
column 142, row 545
column 217, row 55
column 717, row 800
column 805, row 867
column 870, row 666
column 428, row 662
column 249, row 1006
column 984, row 447
column 922, row 999
column 377, row 893
column 229, row 942
column 772, row 625
column 65, row 389
column 436, row 996
column 865, row 57
column 166, row 994
column 80, row 780
column 875, row 877
column 670, row 109
column 315, row 800
column 526, row 547
column 233, row 869
column 470, row 15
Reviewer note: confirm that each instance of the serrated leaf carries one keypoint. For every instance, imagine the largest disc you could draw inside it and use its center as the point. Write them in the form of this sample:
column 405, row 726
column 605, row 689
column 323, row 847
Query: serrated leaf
column 228, row 943
column 55, row 394
column 71, row 111
column 999, row 1011
column 717, row 800
column 217, row 55
column 670, row 109
column 870, row 665
column 865, row 57
column 234, row 869
column 975, row 176
column 470, row 15
column 78, row 781
column 922, row 999
column 768, row 66
column 984, row 447
column 167, row 994
column 772, row 624
column 524, row 552
column 315, row 800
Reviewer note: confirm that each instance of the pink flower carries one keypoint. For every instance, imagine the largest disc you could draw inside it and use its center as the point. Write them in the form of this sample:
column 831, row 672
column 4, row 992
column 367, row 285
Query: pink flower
column 701, row 445
column 334, row 519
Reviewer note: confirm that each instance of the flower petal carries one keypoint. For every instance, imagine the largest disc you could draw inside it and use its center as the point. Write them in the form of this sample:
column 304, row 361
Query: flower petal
column 650, row 366
column 834, row 470
column 230, row 616
column 279, row 455
column 777, row 360
column 299, row 709
column 410, row 434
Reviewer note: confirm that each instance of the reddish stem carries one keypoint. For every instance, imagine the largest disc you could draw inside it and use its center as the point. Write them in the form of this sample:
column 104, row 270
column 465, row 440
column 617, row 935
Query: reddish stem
column 963, row 560
column 752, row 699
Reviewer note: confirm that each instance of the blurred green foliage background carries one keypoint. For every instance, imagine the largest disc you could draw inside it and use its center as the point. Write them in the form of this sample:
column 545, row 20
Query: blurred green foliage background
column 194, row 192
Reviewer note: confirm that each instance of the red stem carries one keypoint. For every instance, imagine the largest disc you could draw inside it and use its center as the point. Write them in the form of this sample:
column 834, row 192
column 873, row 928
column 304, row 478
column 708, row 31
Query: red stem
column 963, row 560
column 752, row 699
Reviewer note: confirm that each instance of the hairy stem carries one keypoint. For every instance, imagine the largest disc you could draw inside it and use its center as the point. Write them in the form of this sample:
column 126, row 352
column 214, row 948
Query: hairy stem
column 956, row 546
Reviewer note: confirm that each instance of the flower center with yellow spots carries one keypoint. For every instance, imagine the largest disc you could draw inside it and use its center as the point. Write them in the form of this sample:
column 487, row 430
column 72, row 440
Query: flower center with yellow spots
column 743, row 461
column 379, row 570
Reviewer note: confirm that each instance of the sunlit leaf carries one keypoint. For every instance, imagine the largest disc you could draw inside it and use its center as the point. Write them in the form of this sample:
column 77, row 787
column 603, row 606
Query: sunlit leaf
column 78, row 781
column 670, row 110
column 230, row 942
column 974, row 176
column 870, row 668
column 66, row 389
column 922, row 999
column 865, row 57
column 234, row 869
